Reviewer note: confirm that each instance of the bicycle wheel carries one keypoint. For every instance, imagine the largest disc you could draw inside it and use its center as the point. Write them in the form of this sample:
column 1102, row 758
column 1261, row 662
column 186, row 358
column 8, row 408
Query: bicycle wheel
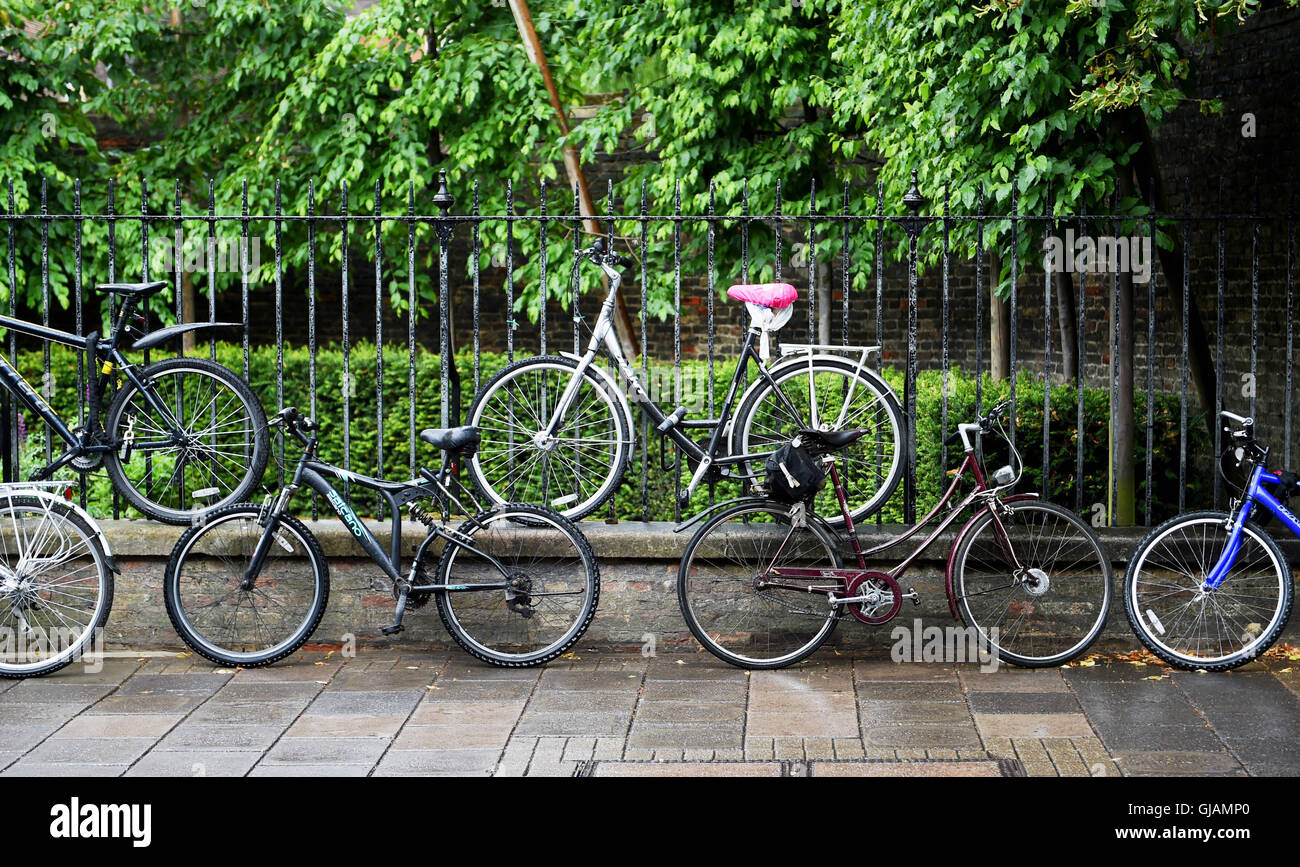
column 1051, row 610
column 554, row 585
column 1189, row 628
column 726, row 605
column 56, row 587
column 574, row 471
column 845, row 397
column 211, row 441
column 233, row 626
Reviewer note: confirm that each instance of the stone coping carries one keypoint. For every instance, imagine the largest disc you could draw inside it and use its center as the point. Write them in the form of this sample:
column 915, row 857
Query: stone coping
column 625, row 540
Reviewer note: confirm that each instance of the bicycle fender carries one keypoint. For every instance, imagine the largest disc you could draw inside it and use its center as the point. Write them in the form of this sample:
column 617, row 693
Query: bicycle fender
column 961, row 534
column 613, row 389
column 162, row 335
column 802, row 361
column 52, row 497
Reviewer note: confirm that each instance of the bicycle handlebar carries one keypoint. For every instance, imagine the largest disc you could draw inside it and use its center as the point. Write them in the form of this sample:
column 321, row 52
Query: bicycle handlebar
column 294, row 422
column 995, row 415
column 596, row 253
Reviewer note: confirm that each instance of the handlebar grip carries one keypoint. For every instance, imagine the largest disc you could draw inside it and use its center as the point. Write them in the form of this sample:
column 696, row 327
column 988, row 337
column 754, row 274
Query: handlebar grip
column 953, row 438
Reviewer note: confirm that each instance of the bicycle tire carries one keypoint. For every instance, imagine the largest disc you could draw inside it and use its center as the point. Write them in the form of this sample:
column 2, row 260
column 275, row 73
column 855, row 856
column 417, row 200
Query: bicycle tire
column 525, row 522
column 497, row 474
column 1076, row 600
column 183, row 615
column 75, row 648
column 1147, row 632
column 745, row 440
column 250, row 426
column 714, row 631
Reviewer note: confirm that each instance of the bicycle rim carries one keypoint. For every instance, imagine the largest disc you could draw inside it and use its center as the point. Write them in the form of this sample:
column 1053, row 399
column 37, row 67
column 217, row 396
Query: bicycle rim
column 553, row 593
column 1226, row 626
column 870, row 468
column 55, row 587
column 1054, row 610
column 572, row 473
column 730, row 614
column 226, row 623
column 218, row 459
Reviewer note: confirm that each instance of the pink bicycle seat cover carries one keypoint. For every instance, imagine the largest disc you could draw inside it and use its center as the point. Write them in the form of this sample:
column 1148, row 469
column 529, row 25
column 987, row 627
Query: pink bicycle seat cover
column 778, row 296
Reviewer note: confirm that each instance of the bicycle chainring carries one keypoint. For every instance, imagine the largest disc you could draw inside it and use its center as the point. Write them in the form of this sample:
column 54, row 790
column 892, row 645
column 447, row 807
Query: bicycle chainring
column 415, row 598
column 887, row 601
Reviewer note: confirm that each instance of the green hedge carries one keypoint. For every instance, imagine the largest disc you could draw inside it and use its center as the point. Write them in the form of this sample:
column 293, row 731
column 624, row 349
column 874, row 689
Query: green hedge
column 931, row 476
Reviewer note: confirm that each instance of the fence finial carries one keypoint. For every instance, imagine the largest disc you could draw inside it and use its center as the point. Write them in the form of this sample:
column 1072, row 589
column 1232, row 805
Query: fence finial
column 443, row 199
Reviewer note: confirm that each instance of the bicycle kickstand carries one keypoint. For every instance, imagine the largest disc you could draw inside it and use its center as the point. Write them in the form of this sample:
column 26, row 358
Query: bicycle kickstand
column 397, row 618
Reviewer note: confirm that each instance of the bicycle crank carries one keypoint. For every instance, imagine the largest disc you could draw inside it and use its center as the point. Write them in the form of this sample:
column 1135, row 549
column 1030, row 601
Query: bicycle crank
column 874, row 598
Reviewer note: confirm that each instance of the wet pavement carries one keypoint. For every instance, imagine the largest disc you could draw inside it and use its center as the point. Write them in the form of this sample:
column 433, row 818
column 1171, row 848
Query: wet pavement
column 413, row 712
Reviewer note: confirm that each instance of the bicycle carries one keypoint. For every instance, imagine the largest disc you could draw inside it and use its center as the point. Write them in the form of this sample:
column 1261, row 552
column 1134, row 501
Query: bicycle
column 562, row 433
column 56, row 580
column 182, row 435
column 249, row 585
column 1030, row 577
column 1210, row 589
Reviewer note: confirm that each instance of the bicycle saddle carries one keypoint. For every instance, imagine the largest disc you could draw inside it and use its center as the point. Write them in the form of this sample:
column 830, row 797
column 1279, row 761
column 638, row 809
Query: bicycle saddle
column 142, row 290
column 457, row 440
column 777, row 296
column 831, row 440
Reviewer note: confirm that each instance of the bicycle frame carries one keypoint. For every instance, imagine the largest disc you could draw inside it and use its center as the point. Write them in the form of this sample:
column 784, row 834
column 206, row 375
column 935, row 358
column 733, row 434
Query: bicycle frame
column 982, row 491
column 312, row 473
column 706, row 458
column 1256, row 495
column 96, row 348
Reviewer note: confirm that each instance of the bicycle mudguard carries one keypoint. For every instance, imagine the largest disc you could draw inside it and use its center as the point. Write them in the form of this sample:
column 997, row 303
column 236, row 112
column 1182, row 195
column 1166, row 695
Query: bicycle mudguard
column 961, row 534
column 162, row 335
column 797, row 361
column 42, row 493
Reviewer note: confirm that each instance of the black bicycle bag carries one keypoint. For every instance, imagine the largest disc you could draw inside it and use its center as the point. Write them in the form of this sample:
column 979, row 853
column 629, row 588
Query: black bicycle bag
column 793, row 475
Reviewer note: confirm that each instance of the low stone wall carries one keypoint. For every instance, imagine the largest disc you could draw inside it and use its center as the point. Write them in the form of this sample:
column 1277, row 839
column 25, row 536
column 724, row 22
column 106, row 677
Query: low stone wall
column 638, row 601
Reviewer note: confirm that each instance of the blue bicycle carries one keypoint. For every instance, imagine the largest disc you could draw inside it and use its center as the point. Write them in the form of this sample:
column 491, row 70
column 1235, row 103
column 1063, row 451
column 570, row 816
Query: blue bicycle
column 1211, row 590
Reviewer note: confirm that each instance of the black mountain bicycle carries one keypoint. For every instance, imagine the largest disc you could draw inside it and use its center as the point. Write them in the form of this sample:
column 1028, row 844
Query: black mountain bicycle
column 180, row 436
column 248, row 586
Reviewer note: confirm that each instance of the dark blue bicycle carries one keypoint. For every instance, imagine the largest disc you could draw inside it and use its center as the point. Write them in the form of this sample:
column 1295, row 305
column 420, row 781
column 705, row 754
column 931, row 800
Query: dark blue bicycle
column 1211, row 590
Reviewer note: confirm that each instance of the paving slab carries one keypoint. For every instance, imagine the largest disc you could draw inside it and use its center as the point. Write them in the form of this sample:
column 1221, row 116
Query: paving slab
column 1022, row 702
column 650, row 736
column 193, row 763
column 173, row 684
column 923, row 768
column 346, row 726
column 63, row 769
column 248, row 712
column 685, row 769
column 309, row 770
column 1032, row 725
column 1171, row 763
column 138, row 725
column 364, row 702
column 324, row 751
column 217, row 737
column 100, row 751
column 449, row 762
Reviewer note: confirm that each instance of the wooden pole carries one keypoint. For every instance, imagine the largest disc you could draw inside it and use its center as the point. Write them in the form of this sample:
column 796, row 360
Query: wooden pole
column 572, row 165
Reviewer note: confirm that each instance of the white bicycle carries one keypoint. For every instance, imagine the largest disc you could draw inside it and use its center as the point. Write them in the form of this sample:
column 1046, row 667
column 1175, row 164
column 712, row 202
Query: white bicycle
column 558, row 429
column 56, row 579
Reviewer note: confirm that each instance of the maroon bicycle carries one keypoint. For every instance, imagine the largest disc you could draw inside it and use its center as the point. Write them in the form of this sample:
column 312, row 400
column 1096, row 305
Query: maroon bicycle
column 763, row 584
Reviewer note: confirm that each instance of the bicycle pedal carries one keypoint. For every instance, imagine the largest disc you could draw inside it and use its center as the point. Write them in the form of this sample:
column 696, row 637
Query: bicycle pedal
column 392, row 630
column 913, row 595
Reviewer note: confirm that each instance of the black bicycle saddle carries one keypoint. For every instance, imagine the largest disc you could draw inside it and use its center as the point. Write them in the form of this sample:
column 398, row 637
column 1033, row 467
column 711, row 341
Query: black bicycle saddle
column 457, row 440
